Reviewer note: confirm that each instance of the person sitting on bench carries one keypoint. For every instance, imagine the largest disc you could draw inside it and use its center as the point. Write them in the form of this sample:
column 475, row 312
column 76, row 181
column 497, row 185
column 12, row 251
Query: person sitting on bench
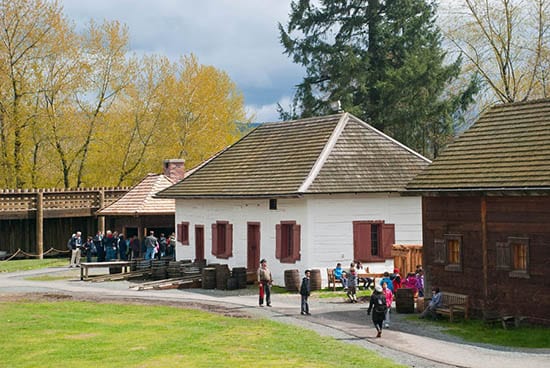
column 435, row 302
column 340, row 274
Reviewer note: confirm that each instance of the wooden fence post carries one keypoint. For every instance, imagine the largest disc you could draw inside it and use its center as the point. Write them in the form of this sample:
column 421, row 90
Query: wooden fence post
column 40, row 224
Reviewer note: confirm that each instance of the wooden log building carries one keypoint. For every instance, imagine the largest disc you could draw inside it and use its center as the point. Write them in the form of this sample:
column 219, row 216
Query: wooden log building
column 486, row 213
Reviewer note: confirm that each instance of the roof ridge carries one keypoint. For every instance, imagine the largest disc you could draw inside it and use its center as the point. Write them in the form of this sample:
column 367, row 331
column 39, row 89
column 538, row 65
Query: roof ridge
column 321, row 159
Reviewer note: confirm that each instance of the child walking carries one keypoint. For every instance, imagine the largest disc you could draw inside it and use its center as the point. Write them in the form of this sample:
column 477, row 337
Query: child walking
column 352, row 285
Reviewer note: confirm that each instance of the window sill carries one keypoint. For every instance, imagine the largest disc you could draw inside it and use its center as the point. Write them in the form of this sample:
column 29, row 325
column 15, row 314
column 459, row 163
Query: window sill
column 453, row 268
column 519, row 274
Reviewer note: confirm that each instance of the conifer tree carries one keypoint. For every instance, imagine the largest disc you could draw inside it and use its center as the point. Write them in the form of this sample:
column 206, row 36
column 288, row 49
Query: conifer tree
column 383, row 61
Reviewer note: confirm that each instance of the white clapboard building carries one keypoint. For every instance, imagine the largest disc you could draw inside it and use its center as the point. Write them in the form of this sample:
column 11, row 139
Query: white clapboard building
column 302, row 194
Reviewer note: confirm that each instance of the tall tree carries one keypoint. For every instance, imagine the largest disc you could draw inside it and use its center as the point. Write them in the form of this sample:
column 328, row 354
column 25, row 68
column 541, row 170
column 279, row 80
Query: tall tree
column 29, row 32
column 507, row 42
column 383, row 61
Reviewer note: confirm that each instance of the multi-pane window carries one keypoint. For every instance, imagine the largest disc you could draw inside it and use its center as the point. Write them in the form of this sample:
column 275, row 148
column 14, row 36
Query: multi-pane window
column 448, row 252
column 372, row 240
column 453, row 251
column 513, row 256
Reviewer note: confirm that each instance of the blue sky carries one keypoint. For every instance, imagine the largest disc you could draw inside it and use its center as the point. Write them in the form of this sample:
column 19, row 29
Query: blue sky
column 239, row 37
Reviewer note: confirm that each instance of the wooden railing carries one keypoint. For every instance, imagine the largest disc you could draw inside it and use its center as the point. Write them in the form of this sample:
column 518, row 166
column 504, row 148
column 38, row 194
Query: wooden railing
column 24, row 203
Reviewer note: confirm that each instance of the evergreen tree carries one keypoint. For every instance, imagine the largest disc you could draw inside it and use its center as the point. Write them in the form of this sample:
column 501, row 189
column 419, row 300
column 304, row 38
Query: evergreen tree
column 383, row 60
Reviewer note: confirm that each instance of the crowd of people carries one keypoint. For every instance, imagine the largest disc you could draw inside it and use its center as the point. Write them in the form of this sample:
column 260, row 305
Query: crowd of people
column 114, row 246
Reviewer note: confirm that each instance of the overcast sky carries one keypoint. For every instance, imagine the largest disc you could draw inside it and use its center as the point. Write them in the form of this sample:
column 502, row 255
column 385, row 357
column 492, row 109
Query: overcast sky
column 239, row 37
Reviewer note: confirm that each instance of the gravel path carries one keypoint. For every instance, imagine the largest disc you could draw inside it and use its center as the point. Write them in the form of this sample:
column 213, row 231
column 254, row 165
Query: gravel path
column 409, row 342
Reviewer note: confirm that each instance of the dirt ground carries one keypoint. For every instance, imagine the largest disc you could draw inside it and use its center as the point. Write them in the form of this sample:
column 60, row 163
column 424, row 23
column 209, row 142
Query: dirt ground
column 98, row 298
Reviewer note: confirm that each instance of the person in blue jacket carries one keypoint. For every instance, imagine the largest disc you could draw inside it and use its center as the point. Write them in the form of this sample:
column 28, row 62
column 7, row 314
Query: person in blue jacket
column 386, row 279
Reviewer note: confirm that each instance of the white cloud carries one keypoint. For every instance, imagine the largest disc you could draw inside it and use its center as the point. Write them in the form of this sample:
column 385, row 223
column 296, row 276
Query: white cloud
column 239, row 37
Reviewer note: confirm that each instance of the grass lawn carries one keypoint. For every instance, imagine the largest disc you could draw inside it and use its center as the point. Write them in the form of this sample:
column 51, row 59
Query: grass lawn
column 83, row 334
column 478, row 331
column 32, row 264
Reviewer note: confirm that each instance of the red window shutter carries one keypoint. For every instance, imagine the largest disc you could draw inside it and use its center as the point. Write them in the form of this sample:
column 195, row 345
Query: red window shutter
column 214, row 239
column 361, row 241
column 180, row 233
column 296, row 244
column 185, row 233
column 388, row 239
column 278, row 241
column 229, row 241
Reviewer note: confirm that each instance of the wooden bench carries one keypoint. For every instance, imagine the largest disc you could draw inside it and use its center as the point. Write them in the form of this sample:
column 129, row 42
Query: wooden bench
column 452, row 303
column 331, row 279
column 85, row 266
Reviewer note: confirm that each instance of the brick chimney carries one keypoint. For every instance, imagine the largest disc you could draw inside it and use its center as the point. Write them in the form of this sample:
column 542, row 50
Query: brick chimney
column 174, row 169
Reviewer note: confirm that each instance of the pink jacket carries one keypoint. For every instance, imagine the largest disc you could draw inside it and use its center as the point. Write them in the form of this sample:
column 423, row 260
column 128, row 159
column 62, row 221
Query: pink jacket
column 389, row 297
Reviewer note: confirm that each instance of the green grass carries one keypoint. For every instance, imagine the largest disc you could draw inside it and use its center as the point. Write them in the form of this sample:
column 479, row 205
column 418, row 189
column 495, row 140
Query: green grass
column 84, row 334
column 32, row 264
column 328, row 293
column 480, row 332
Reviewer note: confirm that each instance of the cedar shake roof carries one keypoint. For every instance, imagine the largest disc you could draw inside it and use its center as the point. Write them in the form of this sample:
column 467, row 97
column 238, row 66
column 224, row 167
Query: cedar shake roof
column 140, row 201
column 508, row 148
column 332, row 154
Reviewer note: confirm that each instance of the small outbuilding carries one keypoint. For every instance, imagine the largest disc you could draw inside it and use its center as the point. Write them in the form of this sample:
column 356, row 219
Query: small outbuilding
column 138, row 211
column 486, row 213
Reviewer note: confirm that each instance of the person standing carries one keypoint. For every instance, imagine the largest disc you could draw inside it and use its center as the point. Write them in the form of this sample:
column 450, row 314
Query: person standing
column 378, row 308
column 122, row 247
column 76, row 249
column 171, row 246
column 352, row 285
column 162, row 245
column 88, row 248
column 100, row 248
column 135, row 246
column 150, row 245
column 305, row 291
column 108, row 244
column 265, row 279
column 389, row 299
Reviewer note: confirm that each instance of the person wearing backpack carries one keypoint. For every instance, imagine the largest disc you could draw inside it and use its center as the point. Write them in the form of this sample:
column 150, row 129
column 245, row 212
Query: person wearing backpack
column 378, row 308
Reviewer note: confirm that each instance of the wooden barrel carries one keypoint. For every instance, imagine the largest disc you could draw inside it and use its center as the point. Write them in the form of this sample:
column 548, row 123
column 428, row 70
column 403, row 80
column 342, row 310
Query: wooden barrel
column 209, row 278
column 158, row 269
column 315, row 280
column 174, row 269
column 232, row 283
column 222, row 274
column 292, row 280
column 404, row 300
column 239, row 273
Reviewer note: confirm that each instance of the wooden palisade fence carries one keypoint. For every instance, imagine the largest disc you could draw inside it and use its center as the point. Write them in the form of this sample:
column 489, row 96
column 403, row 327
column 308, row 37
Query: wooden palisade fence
column 32, row 218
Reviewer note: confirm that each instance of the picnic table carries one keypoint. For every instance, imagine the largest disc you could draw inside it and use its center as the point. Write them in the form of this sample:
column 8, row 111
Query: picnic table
column 85, row 266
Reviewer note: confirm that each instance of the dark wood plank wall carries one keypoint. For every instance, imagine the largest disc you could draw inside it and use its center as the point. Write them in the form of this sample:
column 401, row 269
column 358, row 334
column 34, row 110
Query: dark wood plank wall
column 506, row 217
